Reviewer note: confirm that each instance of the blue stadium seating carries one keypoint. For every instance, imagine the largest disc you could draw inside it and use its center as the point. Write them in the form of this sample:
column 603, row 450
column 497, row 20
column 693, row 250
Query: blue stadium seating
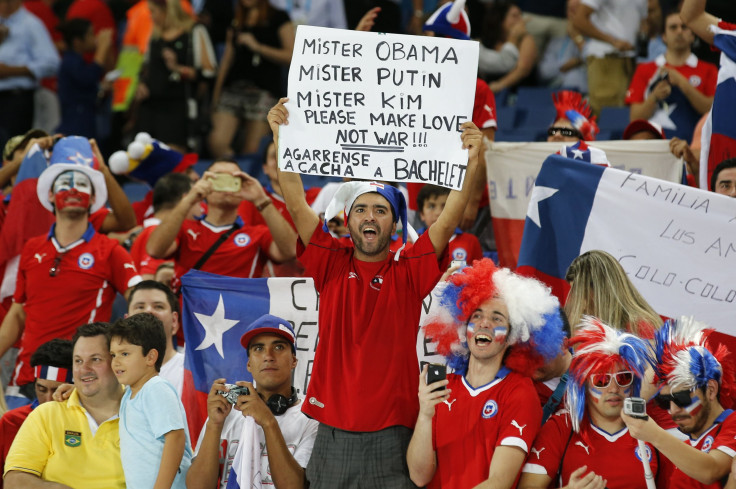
column 534, row 97
column 614, row 118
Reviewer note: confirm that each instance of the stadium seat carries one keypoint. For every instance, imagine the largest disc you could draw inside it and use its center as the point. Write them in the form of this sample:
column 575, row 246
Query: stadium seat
column 614, row 118
column 535, row 118
column 534, row 97
column 135, row 191
column 506, row 117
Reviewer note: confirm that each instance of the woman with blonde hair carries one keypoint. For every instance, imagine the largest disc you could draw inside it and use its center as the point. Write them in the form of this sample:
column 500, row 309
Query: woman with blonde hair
column 179, row 57
column 600, row 287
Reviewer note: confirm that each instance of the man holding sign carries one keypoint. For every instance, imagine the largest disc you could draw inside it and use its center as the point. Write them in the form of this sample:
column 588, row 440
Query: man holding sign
column 369, row 316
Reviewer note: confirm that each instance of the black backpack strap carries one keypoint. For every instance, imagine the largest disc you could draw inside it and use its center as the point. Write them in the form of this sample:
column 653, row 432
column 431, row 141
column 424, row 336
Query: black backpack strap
column 207, row 254
column 554, row 400
column 562, row 458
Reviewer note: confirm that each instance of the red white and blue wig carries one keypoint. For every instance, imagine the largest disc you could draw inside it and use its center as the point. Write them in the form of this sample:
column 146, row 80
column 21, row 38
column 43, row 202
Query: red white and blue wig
column 602, row 349
column 534, row 316
column 686, row 358
column 571, row 106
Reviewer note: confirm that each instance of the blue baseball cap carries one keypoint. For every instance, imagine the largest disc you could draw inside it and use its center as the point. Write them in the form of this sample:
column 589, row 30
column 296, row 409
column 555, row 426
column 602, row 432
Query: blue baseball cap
column 272, row 325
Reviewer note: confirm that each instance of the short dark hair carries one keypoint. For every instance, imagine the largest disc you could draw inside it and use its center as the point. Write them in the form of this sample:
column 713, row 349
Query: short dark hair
column 144, row 330
column 169, row 190
column 429, row 191
column 723, row 165
column 90, row 330
column 154, row 285
column 54, row 353
column 72, row 29
column 223, row 160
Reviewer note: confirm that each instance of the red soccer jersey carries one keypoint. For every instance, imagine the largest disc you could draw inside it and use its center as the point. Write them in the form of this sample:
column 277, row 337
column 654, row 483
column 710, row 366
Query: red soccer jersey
column 703, row 76
column 463, row 246
column 243, row 254
column 484, row 106
column 615, row 457
column 248, row 212
column 467, row 428
column 721, row 436
column 88, row 274
column 145, row 263
column 365, row 375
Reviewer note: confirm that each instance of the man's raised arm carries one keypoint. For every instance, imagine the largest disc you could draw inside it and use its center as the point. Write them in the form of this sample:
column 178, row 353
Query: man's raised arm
column 304, row 217
column 442, row 230
column 698, row 20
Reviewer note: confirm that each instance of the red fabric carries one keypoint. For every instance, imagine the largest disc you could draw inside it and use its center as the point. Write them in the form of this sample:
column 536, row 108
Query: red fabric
column 25, row 218
column 612, row 456
column 9, row 426
column 195, row 405
column 250, row 215
column 243, row 254
column 82, row 291
column 46, row 14
column 98, row 218
column 144, row 262
column 96, row 11
column 369, row 317
column 508, row 234
column 143, row 208
column 467, row 428
column 703, row 77
column 463, row 246
column 713, row 439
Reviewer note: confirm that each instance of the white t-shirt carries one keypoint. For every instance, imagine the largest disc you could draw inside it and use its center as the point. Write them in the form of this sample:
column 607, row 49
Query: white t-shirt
column 322, row 13
column 618, row 18
column 173, row 371
column 298, row 430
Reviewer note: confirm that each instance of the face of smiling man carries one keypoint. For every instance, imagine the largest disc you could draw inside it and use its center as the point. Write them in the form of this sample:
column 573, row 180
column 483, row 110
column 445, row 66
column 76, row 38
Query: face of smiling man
column 487, row 330
column 371, row 224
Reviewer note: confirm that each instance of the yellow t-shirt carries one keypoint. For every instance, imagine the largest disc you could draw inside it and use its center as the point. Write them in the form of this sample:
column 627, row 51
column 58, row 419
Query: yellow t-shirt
column 56, row 444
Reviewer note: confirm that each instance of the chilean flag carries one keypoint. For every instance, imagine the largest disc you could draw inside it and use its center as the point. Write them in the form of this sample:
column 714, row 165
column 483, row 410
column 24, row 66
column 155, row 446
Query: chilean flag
column 719, row 133
column 26, row 218
column 216, row 312
column 676, row 243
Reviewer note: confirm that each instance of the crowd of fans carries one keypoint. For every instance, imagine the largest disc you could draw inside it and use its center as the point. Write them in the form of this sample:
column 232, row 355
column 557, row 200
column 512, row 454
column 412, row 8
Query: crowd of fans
column 540, row 391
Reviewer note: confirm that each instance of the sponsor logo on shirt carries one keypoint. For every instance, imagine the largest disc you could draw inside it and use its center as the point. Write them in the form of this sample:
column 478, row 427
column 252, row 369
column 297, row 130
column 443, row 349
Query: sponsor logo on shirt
column 86, row 261
column 72, row 438
column 352, row 275
column 707, row 444
column 490, row 409
column 647, row 451
column 459, row 254
column 538, row 452
column 241, row 239
column 695, row 80
column 585, row 447
column 376, row 282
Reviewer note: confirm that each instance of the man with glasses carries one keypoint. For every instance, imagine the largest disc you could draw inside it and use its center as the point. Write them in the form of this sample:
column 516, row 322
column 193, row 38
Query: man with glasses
column 575, row 126
column 70, row 276
column 696, row 389
column 588, row 444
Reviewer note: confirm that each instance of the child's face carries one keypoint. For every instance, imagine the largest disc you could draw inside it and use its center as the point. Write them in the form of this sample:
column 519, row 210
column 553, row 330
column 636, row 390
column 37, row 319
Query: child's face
column 129, row 364
column 432, row 209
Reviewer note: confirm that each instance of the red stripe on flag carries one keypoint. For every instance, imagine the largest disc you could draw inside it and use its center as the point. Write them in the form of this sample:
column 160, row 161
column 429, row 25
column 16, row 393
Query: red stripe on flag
column 508, row 233
column 195, row 405
column 721, row 148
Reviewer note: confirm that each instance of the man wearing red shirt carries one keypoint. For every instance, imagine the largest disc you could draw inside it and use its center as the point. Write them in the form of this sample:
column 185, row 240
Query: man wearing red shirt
column 589, row 443
column 697, row 381
column 244, row 250
column 370, row 307
column 73, row 271
column 675, row 89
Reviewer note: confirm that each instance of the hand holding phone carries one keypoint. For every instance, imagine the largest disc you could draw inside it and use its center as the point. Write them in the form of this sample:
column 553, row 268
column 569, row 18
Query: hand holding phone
column 435, row 373
column 225, row 182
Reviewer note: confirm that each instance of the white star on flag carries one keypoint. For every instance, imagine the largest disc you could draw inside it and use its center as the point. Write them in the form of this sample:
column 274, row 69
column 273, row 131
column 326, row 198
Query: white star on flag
column 538, row 195
column 215, row 327
column 79, row 159
column 577, row 154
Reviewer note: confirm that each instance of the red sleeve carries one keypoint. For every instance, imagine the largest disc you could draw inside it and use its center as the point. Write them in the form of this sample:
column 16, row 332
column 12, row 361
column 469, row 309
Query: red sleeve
column 265, row 239
column 424, row 267
column 323, row 254
column 637, row 89
column 725, row 441
column 19, row 297
column 98, row 217
column 546, row 454
column 123, row 271
column 484, row 107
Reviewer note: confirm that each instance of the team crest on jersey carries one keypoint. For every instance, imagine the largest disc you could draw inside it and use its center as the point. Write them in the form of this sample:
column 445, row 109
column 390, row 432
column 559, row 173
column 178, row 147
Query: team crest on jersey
column 459, row 254
column 647, row 452
column 72, row 438
column 241, row 239
column 695, row 80
column 490, row 409
column 86, row 261
column 707, row 444
column 377, row 282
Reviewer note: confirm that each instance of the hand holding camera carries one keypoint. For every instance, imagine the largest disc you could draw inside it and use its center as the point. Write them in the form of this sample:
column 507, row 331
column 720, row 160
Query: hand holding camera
column 636, row 407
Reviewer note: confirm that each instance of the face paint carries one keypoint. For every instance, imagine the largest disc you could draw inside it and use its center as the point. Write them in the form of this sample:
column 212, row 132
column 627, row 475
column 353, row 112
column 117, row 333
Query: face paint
column 500, row 333
column 72, row 189
column 694, row 408
column 469, row 331
column 595, row 394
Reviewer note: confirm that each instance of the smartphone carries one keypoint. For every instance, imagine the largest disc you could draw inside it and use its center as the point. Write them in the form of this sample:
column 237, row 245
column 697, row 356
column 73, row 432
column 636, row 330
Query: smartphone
column 636, row 407
column 224, row 182
column 458, row 263
column 436, row 372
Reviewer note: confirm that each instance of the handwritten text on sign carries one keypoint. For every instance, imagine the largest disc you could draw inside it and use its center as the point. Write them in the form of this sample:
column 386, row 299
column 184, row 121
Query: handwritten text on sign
column 378, row 106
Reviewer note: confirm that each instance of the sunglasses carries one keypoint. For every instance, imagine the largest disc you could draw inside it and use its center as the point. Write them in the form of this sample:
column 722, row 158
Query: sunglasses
column 565, row 131
column 623, row 379
column 681, row 399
